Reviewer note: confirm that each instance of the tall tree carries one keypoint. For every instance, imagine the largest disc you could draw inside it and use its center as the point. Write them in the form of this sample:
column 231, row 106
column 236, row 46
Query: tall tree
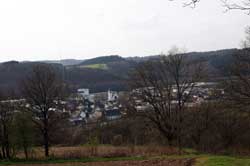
column 24, row 131
column 162, row 90
column 41, row 88
column 237, row 86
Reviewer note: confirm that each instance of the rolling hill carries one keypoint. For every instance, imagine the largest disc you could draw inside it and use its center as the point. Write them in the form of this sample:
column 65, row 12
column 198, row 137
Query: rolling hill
column 108, row 72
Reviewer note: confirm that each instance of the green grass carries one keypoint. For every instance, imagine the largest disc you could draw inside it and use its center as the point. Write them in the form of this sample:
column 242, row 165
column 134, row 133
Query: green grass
column 211, row 160
column 96, row 66
column 222, row 161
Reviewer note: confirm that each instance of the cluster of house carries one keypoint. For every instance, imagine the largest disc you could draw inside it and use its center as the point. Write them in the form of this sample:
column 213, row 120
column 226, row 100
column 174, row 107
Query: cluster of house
column 199, row 93
column 85, row 107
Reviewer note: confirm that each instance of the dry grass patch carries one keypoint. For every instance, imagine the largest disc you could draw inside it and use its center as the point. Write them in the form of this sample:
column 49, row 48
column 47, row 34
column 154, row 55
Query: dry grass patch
column 102, row 151
column 110, row 151
column 169, row 162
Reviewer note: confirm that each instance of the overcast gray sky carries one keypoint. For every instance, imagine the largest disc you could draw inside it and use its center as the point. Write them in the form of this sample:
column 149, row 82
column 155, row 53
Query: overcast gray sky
column 80, row 29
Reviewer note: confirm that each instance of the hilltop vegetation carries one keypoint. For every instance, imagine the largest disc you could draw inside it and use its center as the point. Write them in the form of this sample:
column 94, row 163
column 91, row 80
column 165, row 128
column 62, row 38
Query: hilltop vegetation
column 108, row 72
column 100, row 66
column 103, row 60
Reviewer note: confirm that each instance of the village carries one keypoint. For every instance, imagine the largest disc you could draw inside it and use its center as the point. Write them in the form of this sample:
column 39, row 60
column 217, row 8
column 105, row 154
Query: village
column 85, row 107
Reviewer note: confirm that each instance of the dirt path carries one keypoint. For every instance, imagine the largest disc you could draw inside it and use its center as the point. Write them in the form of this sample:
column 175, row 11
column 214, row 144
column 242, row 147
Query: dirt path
column 169, row 162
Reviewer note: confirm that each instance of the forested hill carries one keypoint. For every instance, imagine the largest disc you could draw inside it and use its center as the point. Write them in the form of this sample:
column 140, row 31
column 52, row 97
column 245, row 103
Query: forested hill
column 103, row 73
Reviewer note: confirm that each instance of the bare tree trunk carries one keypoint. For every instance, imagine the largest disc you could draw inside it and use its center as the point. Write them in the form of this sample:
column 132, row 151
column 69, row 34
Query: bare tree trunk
column 179, row 133
column 46, row 137
column 46, row 143
column 8, row 149
column 6, row 142
column 1, row 157
column 25, row 146
column 26, row 152
column 3, row 151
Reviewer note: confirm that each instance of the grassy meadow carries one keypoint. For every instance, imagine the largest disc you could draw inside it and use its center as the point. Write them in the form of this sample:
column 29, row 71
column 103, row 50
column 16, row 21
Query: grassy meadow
column 96, row 66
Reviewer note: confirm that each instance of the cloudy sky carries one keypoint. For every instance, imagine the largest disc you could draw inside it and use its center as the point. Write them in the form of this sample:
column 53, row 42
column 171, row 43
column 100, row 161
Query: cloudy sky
column 80, row 29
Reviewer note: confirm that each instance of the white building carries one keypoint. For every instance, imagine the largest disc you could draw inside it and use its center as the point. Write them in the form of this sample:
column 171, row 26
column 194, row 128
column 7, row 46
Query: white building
column 112, row 95
column 83, row 92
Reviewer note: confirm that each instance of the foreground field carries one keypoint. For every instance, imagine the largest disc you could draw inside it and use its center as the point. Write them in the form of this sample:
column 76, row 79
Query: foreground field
column 182, row 160
column 155, row 162
column 125, row 156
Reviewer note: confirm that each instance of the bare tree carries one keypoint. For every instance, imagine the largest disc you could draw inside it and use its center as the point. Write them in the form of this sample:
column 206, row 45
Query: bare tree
column 24, row 131
column 237, row 86
column 41, row 89
column 243, row 5
column 198, row 120
column 162, row 89
column 246, row 41
column 230, row 125
column 191, row 3
column 6, row 117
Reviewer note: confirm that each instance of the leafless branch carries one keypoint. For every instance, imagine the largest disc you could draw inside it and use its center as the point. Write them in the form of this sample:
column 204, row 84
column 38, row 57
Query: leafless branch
column 244, row 5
